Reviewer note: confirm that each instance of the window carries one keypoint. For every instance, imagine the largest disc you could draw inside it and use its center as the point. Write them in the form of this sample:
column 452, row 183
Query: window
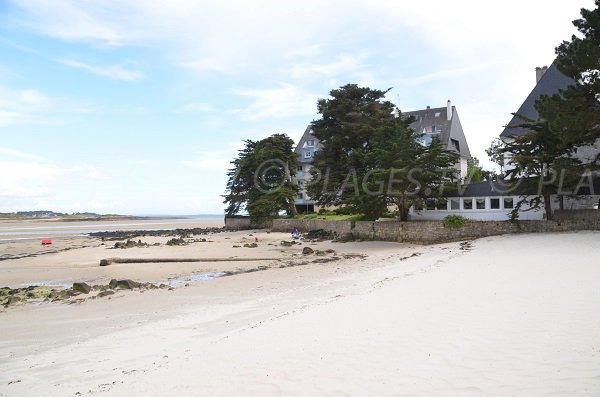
column 468, row 204
column 307, row 154
column 300, row 197
column 495, row 203
column 301, row 183
column 480, row 203
column 300, row 168
column 310, row 142
column 455, row 145
column 442, row 204
column 437, row 114
column 508, row 202
column 437, row 129
column 454, row 204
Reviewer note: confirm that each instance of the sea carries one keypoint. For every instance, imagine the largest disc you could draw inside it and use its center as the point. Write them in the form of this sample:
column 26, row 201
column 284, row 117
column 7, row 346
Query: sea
column 61, row 229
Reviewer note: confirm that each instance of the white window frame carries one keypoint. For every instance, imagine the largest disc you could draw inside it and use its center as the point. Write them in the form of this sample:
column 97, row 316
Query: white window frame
column 307, row 154
column 485, row 206
column 513, row 202
column 450, row 204
column 462, row 203
column 500, row 203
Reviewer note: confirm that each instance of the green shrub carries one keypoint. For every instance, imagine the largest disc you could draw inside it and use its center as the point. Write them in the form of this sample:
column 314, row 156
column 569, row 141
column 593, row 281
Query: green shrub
column 454, row 221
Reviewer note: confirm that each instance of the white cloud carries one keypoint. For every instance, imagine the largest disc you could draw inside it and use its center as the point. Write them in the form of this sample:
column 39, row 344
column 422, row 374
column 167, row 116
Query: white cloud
column 207, row 65
column 113, row 72
column 6, row 152
column 24, row 106
column 441, row 74
column 285, row 101
column 198, row 107
column 209, row 161
column 344, row 64
column 72, row 21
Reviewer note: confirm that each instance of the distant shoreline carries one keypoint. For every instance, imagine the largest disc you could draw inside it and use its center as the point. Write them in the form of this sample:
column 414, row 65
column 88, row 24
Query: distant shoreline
column 96, row 218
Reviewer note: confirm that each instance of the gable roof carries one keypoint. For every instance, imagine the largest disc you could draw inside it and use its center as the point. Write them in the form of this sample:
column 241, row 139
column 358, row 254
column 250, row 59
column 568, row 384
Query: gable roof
column 425, row 118
column 450, row 129
column 550, row 83
column 305, row 137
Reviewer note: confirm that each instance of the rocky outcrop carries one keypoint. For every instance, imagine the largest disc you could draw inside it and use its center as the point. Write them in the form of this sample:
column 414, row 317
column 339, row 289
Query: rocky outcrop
column 130, row 244
column 307, row 251
column 177, row 241
column 130, row 234
column 128, row 284
column 105, row 293
column 82, row 287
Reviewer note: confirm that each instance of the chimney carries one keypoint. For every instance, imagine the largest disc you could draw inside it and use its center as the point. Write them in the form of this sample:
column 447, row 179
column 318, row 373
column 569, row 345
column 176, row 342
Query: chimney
column 449, row 110
column 539, row 72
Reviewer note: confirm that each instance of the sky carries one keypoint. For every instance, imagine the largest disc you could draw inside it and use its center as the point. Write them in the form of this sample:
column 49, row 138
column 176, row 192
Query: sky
column 137, row 106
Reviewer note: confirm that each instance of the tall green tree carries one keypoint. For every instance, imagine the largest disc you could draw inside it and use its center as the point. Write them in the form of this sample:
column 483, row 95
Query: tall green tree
column 576, row 110
column 476, row 173
column 372, row 159
column 540, row 165
column 260, row 180
column 544, row 160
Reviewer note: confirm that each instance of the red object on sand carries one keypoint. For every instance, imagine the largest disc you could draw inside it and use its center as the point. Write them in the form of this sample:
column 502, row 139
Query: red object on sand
column 46, row 242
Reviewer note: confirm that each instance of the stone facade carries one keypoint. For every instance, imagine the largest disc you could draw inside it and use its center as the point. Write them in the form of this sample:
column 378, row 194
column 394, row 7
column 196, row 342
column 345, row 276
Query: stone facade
column 429, row 232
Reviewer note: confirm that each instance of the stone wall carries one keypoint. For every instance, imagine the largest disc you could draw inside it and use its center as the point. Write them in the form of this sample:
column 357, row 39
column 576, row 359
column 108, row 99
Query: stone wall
column 428, row 232
column 243, row 223
column 577, row 215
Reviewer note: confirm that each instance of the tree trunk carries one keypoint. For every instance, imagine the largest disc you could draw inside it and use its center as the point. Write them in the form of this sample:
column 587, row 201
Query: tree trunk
column 548, row 206
column 402, row 210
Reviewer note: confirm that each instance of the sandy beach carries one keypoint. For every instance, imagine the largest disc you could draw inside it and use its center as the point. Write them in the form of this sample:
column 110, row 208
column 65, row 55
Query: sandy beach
column 507, row 315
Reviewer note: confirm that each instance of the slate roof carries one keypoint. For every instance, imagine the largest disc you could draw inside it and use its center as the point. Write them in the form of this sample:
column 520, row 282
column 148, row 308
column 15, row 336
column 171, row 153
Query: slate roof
column 305, row 137
column 450, row 129
column 551, row 82
column 513, row 188
column 486, row 189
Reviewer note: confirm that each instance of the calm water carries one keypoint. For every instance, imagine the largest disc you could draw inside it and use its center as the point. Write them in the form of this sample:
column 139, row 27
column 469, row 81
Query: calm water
column 26, row 232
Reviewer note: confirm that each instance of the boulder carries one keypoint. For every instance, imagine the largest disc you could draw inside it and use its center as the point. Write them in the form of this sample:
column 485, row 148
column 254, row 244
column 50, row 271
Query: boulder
column 105, row 262
column 307, row 251
column 112, row 284
column 105, row 293
column 128, row 284
column 82, row 287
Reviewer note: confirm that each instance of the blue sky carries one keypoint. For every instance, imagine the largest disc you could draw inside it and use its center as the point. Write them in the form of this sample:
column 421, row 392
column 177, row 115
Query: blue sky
column 137, row 106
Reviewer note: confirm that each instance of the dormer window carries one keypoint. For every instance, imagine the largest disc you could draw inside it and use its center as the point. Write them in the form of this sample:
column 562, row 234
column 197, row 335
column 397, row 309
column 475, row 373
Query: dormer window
column 455, row 145
column 310, row 142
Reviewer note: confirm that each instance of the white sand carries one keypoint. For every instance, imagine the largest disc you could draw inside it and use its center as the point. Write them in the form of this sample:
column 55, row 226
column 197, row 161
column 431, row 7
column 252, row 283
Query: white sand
column 517, row 315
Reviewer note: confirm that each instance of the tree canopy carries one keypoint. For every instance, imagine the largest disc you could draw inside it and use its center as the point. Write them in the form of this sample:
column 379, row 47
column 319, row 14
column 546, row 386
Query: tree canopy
column 370, row 157
column 260, row 181
column 544, row 160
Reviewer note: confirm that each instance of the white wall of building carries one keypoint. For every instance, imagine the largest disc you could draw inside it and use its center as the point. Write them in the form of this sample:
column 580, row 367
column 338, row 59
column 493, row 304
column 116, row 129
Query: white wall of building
column 476, row 210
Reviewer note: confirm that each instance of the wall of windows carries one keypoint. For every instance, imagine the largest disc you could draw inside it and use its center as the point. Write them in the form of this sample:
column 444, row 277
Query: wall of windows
column 479, row 208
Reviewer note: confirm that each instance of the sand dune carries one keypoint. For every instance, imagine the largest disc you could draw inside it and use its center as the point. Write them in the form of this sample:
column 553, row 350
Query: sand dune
column 509, row 315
